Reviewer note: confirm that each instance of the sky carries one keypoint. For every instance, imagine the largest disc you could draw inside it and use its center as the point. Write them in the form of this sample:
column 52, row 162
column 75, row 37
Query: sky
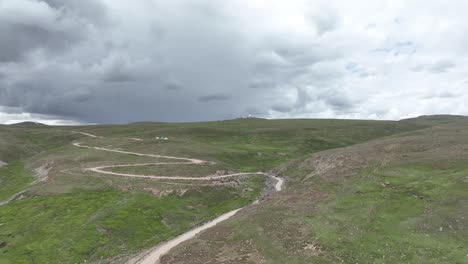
column 120, row 61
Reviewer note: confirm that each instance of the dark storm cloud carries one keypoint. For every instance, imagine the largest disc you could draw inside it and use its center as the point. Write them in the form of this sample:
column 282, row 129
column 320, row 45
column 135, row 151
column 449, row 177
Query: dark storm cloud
column 159, row 65
column 47, row 26
column 18, row 40
column 10, row 110
column 126, row 75
column 119, row 72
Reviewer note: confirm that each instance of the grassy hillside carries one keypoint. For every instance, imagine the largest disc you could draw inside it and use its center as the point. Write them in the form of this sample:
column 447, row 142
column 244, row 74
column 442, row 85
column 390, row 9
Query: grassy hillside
column 75, row 215
column 14, row 177
column 21, row 142
column 436, row 119
column 401, row 199
column 255, row 144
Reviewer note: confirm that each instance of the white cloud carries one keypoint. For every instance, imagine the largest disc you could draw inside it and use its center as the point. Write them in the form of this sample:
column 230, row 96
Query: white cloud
column 196, row 60
column 7, row 116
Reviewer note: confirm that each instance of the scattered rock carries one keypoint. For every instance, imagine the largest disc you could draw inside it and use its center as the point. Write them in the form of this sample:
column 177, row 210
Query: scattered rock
column 181, row 192
column 164, row 193
column 385, row 184
column 222, row 172
column 153, row 191
column 42, row 172
column 226, row 182
column 20, row 197
column 3, row 163
column 313, row 248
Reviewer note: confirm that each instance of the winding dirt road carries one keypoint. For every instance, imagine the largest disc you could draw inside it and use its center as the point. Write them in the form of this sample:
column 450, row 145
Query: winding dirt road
column 153, row 255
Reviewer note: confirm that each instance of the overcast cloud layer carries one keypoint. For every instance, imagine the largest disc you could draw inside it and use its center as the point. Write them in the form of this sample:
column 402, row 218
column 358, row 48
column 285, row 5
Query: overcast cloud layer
column 107, row 61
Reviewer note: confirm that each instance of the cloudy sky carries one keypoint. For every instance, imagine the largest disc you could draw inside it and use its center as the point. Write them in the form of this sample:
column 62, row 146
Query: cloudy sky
column 118, row 61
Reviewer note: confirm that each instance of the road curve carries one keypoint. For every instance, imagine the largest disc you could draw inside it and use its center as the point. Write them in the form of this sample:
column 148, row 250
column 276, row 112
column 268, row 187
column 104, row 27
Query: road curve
column 153, row 255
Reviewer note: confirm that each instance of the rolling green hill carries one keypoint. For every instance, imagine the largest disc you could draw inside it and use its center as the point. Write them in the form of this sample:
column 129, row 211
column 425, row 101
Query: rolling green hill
column 437, row 119
column 399, row 199
column 61, row 213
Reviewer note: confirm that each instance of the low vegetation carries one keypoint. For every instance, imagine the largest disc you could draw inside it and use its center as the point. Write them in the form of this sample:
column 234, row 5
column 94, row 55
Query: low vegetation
column 326, row 214
column 408, row 214
column 401, row 199
column 14, row 177
column 89, row 226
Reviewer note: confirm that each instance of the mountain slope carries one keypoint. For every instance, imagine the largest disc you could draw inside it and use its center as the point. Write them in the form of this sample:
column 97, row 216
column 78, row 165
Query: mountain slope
column 432, row 120
column 400, row 199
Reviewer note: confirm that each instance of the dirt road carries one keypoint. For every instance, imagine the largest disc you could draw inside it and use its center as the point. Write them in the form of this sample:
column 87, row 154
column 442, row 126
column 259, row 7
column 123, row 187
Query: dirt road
column 152, row 256
column 13, row 197
column 40, row 174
